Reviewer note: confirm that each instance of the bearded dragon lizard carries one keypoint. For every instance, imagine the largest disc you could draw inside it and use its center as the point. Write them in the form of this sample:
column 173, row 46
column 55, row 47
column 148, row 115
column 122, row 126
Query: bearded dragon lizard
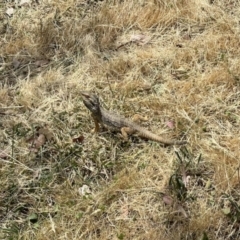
column 119, row 123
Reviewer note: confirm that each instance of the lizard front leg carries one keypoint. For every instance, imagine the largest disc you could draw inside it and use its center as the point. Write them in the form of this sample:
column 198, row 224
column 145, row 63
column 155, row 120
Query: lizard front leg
column 97, row 128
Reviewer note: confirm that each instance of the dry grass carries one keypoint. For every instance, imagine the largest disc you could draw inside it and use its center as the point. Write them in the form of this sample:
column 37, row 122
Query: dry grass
column 185, row 69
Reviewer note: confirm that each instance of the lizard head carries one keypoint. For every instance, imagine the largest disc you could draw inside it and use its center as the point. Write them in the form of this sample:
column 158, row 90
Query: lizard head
column 91, row 101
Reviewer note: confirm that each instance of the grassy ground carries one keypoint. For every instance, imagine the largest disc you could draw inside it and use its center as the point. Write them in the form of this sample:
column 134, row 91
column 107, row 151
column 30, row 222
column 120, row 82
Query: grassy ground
column 176, row 62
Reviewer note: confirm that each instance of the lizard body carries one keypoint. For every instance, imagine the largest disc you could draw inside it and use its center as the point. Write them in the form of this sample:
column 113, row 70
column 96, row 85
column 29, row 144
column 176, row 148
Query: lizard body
column 116, row 122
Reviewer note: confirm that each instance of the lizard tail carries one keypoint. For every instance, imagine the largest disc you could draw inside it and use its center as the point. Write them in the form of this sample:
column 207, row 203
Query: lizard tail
column 149, row 135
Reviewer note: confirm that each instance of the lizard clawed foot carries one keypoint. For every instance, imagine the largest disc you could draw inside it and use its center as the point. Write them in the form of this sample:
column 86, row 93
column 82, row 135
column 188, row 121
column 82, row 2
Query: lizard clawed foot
column 94, row 131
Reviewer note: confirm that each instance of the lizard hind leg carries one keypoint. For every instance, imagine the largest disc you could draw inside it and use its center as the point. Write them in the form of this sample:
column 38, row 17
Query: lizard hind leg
column 137, row 118
column 129, row 131
column 126, row 131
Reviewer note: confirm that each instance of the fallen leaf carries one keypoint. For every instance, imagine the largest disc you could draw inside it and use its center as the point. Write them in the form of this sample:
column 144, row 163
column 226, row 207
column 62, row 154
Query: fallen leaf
column 3, row 154
column 226, row 210
column 40, row 141
column 180, row 73
column 10, row 11
column 136, row 37
column 124, row 211
column 170, row 124
column 140, row 38
column 78, row 139
column 41, row 63
column 208, row 184
column 45, row 131
column 84, row 190
column 186, row 181
column 24, row 2
column 15, row 63
column 181, row 209
column 185, row 177
column 37, row 142
column 181, row 70
column 168, row 200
